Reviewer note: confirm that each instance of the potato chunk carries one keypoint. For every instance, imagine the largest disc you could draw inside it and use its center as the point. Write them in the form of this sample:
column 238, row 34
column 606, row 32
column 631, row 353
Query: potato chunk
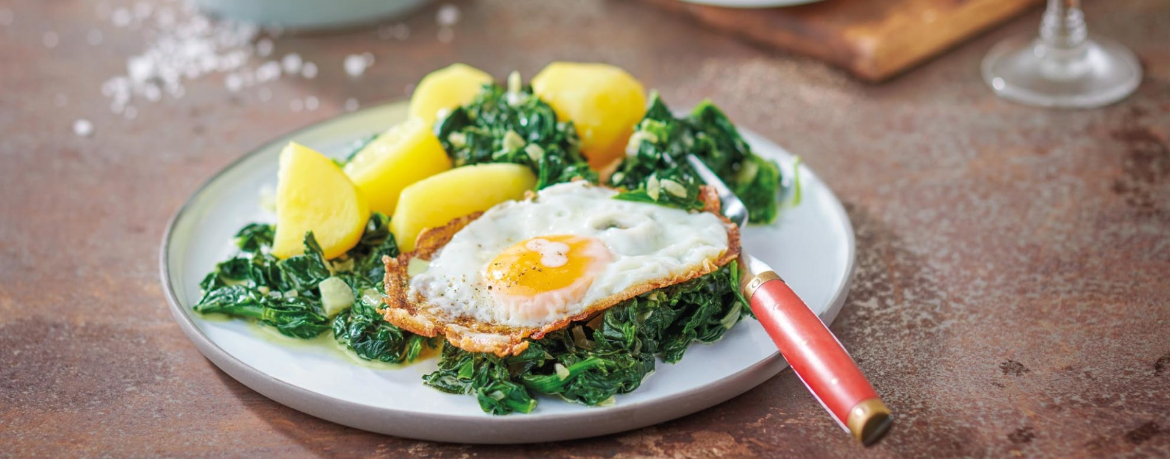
column 405, row 154
column 436, row 200
column 603, row 102
column 312, row 194
column 446, row 88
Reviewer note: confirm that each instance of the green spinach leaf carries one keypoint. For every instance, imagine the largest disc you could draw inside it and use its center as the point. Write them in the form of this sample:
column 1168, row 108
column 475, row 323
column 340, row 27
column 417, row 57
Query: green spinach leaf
column 655, row 168
column 514, row 127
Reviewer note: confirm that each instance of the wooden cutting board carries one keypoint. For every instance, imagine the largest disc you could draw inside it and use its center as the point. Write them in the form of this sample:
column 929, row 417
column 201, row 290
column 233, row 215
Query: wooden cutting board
column 873, row 39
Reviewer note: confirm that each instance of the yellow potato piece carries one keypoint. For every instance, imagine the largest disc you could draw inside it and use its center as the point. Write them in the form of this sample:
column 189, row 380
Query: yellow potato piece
column 312, row 194
column 405, row 154
column 446, row 88
column 436, row 200
column 603, row 102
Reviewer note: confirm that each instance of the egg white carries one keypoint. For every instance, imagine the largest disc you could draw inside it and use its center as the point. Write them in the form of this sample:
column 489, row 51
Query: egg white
column 649, row 243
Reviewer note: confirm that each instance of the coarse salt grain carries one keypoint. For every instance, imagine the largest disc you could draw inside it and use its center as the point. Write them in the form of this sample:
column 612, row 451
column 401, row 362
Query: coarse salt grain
column 83, row 127
column 448, row 15
column 292, row 63
column 140, row 68
column 309, row 70
column 268, row 71
column 356, row 64
column 233, row 82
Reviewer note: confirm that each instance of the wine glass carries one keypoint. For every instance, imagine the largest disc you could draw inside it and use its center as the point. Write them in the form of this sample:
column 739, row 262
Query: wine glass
column 1063, row 67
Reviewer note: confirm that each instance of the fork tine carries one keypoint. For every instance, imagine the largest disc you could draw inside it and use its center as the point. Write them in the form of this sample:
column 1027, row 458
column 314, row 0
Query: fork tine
column 733, row 207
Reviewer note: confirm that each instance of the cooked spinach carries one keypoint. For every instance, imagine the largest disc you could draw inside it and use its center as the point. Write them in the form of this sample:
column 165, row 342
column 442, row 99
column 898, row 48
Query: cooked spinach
column 285, row 294
column 611, row 354
column 363, row 330
column 278, row 293
column 587, row 363
column 655, row 168
column 376, row 242
column 502, row 126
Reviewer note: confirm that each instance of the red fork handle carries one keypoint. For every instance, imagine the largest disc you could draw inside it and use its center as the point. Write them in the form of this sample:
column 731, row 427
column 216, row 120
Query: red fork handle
column 818, row 358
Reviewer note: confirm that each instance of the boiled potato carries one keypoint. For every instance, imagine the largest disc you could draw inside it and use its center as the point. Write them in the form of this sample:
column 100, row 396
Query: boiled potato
column 446, row 88
column 437, row 200
column 405, row 154
column 603, row 102
column 312, row 194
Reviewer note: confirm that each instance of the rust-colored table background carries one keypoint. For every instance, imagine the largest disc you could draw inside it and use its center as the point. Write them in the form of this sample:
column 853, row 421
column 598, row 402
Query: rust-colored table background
column 1011, row 292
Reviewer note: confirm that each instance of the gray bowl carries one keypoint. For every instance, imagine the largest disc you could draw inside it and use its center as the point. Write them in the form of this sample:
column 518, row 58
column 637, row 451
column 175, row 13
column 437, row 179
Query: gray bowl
column 310, row 14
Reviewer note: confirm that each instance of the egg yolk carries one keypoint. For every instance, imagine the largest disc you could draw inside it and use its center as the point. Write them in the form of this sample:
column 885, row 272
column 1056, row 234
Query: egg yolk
column 546, row 264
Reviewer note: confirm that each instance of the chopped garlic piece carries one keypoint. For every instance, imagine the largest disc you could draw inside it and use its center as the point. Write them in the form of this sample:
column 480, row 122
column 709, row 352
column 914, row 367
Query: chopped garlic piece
column 673, row 187
column 534, row 151
column 336, row 296
column 457, row 139
column 636, row 140
column 652, row 187
column 514, row 96
column 513, row 141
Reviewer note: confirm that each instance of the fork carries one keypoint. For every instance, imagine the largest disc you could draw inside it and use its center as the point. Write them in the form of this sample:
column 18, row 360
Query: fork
column 812, row 351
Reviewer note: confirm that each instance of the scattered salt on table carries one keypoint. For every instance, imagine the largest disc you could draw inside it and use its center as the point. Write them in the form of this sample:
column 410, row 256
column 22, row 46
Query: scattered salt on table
column 309, row 70
column 292, row 63
column 448, row 15
column 83, row 127
column 356, row 64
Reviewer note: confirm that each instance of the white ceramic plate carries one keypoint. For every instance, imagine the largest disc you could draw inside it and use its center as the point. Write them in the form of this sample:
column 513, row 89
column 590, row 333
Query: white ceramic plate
column 811, row 246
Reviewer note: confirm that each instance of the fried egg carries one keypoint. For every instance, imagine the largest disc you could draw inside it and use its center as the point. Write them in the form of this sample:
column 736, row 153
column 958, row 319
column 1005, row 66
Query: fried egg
column 525, row 268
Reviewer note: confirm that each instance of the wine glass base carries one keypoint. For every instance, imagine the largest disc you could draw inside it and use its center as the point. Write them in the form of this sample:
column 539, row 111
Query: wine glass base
column 1028, row 72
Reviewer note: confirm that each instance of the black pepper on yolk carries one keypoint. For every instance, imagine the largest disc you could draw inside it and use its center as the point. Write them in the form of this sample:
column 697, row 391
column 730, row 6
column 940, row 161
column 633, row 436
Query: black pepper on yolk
column 542, row 276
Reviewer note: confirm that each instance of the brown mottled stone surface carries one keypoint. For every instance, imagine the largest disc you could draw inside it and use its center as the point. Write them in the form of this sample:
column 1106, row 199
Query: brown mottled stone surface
column 1011, row 293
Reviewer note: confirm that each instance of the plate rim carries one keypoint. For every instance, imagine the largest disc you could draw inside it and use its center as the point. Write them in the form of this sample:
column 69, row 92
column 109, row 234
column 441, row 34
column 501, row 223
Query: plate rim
column 365, row 417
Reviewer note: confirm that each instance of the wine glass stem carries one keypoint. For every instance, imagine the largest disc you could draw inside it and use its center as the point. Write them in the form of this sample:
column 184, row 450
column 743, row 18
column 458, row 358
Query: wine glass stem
column 1063, row 27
